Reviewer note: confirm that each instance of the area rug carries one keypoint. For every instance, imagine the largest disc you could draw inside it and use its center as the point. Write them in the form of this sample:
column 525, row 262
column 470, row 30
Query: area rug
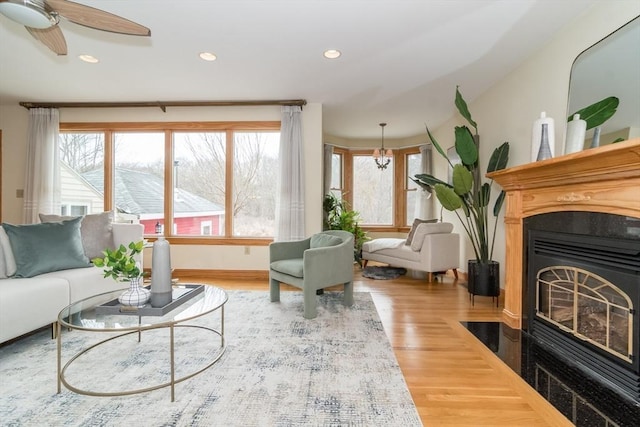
column 383, row 273
column 278, row 370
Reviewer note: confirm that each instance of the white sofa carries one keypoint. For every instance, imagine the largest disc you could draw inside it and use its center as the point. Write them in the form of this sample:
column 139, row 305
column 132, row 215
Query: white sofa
column 430, row 247
column 30, row 303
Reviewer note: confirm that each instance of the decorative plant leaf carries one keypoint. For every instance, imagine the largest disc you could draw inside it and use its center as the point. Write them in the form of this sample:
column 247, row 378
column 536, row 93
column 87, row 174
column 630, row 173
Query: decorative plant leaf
column 120, row 264
column 598, row 113
column 497, row 207
column 466, row 146
column 448, row 198
column 465, row 209
column 425, row 180
column 462, row 180
column 461, row 104
column 438, row 147
column 499, row 158
column 483, row 196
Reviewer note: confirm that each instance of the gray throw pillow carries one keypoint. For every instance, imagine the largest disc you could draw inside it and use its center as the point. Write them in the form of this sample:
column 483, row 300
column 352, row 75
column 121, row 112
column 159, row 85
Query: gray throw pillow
column 10, row 261
column 425, row 229
column 414, row 226
column 42, row 248
column 96, row 231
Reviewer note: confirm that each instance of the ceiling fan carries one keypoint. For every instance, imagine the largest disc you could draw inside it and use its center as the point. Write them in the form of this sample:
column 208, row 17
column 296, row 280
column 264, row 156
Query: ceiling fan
column 41, row 18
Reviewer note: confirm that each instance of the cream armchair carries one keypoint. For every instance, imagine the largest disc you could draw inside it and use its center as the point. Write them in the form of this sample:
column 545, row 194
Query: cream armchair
column 325, row 259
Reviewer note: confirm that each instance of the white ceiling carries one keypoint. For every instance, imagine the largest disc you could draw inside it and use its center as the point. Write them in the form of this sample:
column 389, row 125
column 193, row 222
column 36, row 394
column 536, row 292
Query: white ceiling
column 400, row 63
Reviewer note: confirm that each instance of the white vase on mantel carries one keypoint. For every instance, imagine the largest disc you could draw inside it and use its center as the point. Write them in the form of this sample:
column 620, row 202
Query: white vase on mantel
column 576, row 131
column 536, row 136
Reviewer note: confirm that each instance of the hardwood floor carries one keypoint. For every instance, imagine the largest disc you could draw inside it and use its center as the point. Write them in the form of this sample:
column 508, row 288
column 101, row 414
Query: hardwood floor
column 453, row 378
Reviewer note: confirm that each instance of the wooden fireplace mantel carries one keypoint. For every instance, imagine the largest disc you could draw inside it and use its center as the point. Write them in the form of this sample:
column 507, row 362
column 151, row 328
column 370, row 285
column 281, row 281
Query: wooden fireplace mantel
column 604, row 179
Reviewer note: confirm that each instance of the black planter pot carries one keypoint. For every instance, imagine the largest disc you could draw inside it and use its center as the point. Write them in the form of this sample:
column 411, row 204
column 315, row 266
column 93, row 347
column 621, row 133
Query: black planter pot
column 484, row 279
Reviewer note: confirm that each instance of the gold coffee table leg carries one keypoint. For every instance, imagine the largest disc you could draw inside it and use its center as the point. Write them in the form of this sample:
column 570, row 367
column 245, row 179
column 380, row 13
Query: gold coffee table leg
column 173, row 365
column 59, row 342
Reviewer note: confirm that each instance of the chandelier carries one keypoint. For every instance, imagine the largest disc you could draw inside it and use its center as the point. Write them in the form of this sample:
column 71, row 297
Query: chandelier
column 382, row 157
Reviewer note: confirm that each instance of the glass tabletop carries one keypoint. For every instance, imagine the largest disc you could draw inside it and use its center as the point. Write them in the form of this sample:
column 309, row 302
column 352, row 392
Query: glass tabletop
column 102, row 312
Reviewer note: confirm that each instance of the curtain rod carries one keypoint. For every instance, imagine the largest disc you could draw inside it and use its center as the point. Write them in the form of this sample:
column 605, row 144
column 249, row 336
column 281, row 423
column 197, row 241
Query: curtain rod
column 160, row 104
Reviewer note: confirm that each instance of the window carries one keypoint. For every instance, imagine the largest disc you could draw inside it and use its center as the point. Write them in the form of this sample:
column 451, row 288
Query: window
column 386, row 199
column 139, row 176
column 211, row 179
column 337, row 181
column 81, row 164
column 205, row 228
column 199, row 164
column 373, row 191
column 72, row 209
column 255, row 172
column 413, row 162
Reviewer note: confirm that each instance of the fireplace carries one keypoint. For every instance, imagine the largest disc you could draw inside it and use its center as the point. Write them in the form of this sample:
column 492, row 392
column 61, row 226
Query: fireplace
column 568, row 291
column 582, row 293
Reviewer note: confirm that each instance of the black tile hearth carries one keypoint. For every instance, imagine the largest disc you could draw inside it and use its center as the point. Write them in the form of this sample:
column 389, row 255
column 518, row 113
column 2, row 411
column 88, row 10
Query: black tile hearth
column 583, row 400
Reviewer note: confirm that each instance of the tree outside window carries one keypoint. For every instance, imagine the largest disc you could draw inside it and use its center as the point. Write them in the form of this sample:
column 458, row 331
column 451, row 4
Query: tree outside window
column 373, row 192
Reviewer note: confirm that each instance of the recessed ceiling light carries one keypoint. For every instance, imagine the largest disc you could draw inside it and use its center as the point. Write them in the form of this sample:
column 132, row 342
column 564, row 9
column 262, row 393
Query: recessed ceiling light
column 88, row 58
column 332, row 53
column 208, row 56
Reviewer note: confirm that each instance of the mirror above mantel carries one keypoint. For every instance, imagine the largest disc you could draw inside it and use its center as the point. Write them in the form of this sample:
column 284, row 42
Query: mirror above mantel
column 610, row 67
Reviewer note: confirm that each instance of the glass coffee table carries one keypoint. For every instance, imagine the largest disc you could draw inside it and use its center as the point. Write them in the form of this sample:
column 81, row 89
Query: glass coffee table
column 102, row 314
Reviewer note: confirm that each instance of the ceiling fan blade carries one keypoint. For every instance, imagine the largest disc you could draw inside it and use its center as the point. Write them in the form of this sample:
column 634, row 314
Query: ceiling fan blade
column 96, row 18
column 51, row 37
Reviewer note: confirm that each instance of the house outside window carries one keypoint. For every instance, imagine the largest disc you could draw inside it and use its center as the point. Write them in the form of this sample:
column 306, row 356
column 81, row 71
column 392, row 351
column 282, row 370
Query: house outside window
column 73, row 209
column 80, row 153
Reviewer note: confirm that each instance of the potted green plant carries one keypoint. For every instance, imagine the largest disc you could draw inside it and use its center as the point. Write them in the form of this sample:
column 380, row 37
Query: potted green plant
column 469, row 198
column 121, row 265
column 338, row 216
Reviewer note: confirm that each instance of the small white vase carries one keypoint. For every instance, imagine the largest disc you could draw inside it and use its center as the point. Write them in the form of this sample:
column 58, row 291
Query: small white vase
column 576, row 130
column 136, row 295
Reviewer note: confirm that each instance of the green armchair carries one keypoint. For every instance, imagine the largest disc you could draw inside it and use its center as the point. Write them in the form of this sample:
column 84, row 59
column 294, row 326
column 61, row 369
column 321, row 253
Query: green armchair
column 325, row 259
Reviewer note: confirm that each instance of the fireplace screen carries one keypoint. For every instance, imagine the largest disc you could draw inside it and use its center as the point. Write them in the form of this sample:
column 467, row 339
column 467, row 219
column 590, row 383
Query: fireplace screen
column 587, row 306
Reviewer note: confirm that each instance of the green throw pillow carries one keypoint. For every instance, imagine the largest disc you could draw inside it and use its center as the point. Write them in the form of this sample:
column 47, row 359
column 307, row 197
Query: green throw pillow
column 41, row 248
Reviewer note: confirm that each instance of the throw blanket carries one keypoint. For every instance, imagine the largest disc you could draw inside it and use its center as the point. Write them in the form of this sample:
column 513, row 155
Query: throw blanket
column 383, row 243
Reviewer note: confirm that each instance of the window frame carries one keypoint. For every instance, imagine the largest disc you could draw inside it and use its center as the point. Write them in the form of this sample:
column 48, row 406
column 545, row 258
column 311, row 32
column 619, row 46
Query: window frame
column 109, row 128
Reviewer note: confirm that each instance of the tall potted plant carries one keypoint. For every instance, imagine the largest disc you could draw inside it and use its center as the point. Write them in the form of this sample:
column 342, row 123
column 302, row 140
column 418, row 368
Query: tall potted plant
column 469, row 198
column 338, row 216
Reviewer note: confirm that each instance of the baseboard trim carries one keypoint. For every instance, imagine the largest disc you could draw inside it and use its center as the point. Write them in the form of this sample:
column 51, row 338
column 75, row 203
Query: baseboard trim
column 223, row 274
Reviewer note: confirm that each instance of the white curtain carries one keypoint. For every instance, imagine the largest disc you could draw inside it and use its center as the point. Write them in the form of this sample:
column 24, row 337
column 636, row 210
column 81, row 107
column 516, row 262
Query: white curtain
column 42, row 175
column 328, row 163
column 290, row 202
column 424, row 201
column 326, row 184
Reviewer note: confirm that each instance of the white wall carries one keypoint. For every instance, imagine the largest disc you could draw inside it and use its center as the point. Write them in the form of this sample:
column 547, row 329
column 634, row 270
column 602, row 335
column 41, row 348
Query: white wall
column 13, row 122
column 506, row 111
